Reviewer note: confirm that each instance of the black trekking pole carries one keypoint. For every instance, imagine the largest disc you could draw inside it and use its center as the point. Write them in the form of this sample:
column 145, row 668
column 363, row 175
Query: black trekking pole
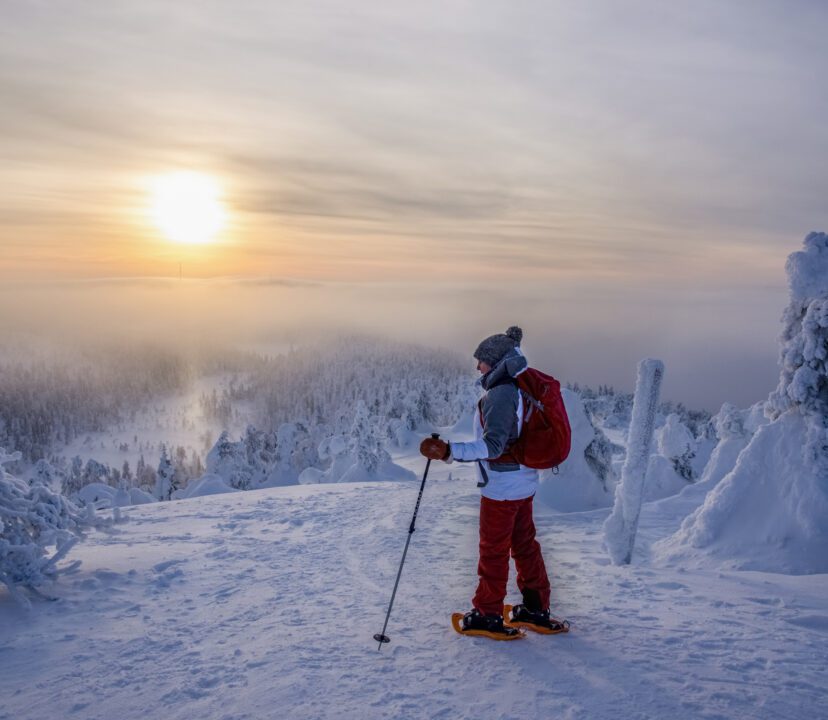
column 382, row 637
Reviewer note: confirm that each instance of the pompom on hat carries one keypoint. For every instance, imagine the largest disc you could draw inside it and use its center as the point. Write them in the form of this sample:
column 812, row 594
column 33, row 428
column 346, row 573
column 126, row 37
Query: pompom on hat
column 494, row 347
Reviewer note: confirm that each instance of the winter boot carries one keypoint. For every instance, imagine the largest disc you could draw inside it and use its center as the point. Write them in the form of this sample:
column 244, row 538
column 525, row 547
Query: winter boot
column 530, row 615
column 538, row 620
column 475, row 622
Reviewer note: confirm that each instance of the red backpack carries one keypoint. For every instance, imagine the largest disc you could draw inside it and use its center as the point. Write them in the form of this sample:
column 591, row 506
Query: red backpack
column 545, row 437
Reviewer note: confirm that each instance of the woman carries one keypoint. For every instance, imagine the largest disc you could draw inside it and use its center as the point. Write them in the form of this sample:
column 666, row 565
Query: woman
column 507, row 490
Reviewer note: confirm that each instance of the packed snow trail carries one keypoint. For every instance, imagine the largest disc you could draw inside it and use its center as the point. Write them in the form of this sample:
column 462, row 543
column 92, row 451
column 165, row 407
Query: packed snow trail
column 233, row 606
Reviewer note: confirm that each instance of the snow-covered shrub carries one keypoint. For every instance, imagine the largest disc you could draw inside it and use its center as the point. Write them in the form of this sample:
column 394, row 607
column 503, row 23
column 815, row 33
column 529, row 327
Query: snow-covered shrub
column 38, row 526
column 96, row 495
column 209, row 484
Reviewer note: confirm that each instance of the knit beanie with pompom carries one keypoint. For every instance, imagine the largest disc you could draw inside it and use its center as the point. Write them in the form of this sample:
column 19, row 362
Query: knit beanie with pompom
column 494, row 347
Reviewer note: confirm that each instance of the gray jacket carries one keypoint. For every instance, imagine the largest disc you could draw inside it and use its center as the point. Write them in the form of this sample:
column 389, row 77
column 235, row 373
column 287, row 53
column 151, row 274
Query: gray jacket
column 500, row 403
column 499, row 408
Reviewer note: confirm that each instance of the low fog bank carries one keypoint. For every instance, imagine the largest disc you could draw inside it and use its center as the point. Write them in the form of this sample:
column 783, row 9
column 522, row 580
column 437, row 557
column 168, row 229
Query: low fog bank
column 716, row 347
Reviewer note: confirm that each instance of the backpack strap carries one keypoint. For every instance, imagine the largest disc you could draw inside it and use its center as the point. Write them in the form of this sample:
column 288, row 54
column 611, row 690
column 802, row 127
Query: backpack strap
column 506, row 457
column 484, row 474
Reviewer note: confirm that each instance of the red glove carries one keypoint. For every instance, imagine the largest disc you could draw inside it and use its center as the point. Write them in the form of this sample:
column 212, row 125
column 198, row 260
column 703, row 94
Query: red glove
column 435, row 449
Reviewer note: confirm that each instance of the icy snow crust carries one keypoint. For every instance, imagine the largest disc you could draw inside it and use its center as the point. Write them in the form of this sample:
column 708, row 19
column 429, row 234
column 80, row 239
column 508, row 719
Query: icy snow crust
column 235, row 605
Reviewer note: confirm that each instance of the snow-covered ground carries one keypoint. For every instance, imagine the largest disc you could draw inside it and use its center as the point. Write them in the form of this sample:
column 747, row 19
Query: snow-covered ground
column 251, row 604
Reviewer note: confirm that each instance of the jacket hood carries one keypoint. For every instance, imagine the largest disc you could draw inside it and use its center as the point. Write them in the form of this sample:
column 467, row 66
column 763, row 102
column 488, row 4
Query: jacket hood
column 512, row 364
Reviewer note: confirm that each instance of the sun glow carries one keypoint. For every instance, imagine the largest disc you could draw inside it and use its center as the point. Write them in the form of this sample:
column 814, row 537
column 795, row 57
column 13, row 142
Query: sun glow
column 187, row 207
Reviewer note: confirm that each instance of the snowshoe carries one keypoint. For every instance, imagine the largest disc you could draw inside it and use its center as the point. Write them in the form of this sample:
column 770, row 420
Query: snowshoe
column 490, row 626
column 538, row 621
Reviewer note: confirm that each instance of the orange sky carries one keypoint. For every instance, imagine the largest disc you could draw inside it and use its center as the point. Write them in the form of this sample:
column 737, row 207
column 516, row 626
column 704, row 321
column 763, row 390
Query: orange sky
column 557, row 143
column 628, row 177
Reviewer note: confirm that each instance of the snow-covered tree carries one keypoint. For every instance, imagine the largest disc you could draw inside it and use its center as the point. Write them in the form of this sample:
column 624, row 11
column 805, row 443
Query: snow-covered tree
column 733, row 436
column 769, row 512
column 165, row 483
column 38, row 526
column 228, row 460
column 365, row 441
column 803, row 357
column 95, row 472
column 46, row 474
column 598, row 455
column 676, row 443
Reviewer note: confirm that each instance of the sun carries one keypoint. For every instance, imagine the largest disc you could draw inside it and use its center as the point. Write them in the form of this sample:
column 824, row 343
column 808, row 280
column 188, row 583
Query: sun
column 187, row 207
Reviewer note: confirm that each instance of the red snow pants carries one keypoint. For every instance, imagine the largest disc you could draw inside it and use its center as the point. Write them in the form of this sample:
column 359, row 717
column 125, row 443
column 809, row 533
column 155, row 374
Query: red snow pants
column 507, row 525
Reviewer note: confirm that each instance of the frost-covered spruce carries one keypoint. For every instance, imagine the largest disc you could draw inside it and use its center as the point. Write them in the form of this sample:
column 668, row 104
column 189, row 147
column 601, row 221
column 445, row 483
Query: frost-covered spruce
column 769, row 513
column 228, row 460
column 38, row 526
column 165, row 477
column 621, row 526
column 676, row 442
column 46, row 474
column 598, row 456
column 733, row 438
column 365, row 442
column 803, row 356
column 670, row 469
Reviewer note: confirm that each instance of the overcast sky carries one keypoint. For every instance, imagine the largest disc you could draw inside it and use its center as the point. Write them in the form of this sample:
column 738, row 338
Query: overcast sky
column 626, row 174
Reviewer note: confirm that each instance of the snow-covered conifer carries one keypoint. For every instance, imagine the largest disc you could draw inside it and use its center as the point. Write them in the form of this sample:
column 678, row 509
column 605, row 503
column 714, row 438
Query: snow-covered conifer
column 46, row 474
column 803, row 356
column 769, row 512
column 677, row 444
column 365, row 443
column 228, row 460
column 598, row 456
column 165, row 476
column 95, row 472
column 38, row 526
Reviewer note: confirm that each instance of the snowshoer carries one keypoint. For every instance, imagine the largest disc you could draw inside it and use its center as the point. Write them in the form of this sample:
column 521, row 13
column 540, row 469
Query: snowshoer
column 507, row 489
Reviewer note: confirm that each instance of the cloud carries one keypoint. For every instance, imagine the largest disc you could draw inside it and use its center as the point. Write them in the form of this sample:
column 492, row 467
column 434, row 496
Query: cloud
column 587, row 160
